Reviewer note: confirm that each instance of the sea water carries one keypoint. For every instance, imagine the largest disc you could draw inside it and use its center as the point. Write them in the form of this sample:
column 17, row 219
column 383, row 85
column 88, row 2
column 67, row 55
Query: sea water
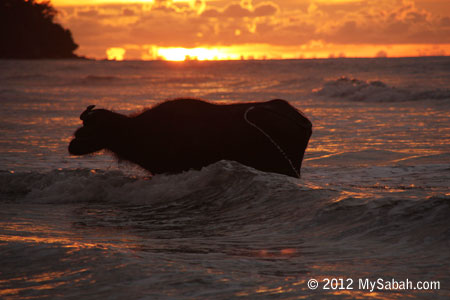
column 372, row 203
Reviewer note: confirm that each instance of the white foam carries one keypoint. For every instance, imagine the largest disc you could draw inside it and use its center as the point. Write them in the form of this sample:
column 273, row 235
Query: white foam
column 375, row 91
column 83, row 185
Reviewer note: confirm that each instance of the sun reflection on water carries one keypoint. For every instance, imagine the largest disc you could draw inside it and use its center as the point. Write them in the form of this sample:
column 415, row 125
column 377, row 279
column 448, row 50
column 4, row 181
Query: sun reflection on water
column 62, row 246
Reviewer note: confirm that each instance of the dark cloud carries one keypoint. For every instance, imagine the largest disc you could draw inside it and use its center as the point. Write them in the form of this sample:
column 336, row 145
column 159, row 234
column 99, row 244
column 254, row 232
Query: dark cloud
column 211, row 13
column 88, row 13
column 128, row 12
column 444, row 22
column 237, row 10
column 265, row 9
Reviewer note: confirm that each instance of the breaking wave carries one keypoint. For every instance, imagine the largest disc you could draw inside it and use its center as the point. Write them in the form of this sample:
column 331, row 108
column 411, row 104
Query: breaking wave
column 229, row 195
column 375, row 91
column 84, row 185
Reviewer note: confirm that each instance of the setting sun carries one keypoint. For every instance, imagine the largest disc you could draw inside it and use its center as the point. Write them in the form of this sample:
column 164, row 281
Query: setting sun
column 115, row 53
column 181, row 54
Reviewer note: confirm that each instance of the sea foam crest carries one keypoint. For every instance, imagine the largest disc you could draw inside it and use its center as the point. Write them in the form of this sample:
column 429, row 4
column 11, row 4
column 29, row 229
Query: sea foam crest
column 375, row 91
column 226, row 180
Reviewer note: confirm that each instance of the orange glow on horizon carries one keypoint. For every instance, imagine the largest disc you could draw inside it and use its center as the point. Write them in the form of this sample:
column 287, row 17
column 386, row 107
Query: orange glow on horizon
column 267, row 51
column 115, row 53
column 181, row 54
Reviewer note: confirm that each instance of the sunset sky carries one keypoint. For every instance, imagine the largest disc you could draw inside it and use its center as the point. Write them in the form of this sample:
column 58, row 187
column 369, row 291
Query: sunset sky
column 217, row 29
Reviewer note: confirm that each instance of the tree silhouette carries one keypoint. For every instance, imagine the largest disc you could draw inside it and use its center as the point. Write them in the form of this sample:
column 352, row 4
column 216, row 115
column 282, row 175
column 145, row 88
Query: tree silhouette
column 28, row 30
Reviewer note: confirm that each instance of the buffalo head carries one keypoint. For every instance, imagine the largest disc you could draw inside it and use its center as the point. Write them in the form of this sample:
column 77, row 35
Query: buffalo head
column 98, row 127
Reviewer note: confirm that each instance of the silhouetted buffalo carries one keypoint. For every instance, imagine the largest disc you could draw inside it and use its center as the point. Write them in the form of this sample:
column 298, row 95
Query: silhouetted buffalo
column 184, row 134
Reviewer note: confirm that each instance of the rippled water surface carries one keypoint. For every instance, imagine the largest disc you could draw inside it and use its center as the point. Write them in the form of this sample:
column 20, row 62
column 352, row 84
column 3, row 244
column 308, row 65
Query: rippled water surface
column 373, row 201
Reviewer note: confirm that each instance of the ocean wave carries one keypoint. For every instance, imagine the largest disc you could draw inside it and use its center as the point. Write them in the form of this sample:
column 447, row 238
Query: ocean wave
column 375, row 91
column 228, row 196
column 365, row 157
column 297, row 83
column 105, row 79
column 8, row 91
column 227, row 179
column 388, row 219
column 99, row 78
column 34, row 76
column 187, row 80
column 221, row 197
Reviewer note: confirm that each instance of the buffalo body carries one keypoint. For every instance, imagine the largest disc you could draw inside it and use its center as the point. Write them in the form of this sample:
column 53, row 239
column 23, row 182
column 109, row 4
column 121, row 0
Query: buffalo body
column 184, row 134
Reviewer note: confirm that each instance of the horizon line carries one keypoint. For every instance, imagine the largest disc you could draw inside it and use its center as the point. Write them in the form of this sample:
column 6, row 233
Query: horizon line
column 267, row 59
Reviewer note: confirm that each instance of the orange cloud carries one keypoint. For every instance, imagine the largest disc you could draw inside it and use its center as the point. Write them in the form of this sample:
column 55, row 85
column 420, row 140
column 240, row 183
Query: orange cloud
column 403, row 24
column 333, row 27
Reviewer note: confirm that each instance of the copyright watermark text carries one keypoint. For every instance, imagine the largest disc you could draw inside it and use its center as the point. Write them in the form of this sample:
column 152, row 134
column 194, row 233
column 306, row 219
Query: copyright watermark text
column 371, row 285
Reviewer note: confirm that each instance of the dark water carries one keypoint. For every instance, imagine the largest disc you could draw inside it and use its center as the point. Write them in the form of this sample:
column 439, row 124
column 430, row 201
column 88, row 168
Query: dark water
column 373, row 201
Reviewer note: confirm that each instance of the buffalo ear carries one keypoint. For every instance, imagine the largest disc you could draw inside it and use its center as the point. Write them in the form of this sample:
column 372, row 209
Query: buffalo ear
column 86, row 113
